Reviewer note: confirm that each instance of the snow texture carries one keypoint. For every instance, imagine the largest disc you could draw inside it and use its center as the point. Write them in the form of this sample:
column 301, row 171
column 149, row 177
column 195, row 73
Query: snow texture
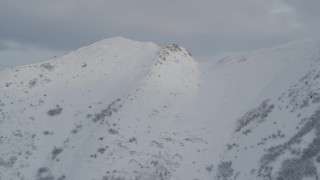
column 125, row 110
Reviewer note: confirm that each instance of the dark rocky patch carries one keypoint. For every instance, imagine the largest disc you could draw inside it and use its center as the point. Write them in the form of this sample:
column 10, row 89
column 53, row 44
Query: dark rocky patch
column 101, row 150
column 47, row 66
column 44, row 174
column 225, row 170
column 258, row 114
column 8, row 163
column 55, row 111
column 107, row 112
column 55, row 152
column 113, row 131
column 33, row 82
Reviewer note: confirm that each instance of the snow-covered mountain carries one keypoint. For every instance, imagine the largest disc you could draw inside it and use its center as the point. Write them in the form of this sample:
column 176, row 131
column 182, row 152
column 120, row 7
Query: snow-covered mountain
column 121, row 109
column 278, row 137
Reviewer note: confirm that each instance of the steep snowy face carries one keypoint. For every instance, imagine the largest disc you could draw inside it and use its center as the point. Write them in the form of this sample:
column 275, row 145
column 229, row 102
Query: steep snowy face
column 117, row 109
column 277, row 137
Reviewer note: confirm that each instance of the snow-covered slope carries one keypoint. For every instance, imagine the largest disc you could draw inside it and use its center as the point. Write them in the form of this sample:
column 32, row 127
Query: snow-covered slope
column 115, row 109
column 121, row 109
column 277, row 137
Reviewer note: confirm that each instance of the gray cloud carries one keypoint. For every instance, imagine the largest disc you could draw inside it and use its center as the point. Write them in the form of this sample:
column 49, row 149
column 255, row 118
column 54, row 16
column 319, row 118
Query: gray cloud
column 3, row 47
column 203, row 26
column 307, row 14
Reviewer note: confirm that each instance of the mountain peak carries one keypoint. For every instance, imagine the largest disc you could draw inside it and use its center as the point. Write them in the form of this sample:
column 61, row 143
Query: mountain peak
column 174, row 52
column 118, row 43
column 118, row 39
column 174, row 48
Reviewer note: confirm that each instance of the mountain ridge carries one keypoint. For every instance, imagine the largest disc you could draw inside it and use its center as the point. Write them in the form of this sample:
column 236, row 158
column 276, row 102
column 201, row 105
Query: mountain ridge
column 91, row 87
column 122, row 109
column 272, row 124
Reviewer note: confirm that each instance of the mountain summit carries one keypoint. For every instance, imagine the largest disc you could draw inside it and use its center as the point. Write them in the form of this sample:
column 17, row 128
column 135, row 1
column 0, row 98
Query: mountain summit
column 114, row 109
column 122, row 109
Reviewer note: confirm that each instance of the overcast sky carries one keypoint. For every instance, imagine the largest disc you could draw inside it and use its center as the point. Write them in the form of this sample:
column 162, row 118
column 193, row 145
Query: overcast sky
column 35, row 30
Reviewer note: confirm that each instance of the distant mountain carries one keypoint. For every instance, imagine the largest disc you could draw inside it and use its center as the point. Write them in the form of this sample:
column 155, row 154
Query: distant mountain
column 121, row 109
column 278, row 137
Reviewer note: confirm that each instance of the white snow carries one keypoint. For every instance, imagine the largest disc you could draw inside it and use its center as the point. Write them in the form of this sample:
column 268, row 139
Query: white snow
column 121, row 109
